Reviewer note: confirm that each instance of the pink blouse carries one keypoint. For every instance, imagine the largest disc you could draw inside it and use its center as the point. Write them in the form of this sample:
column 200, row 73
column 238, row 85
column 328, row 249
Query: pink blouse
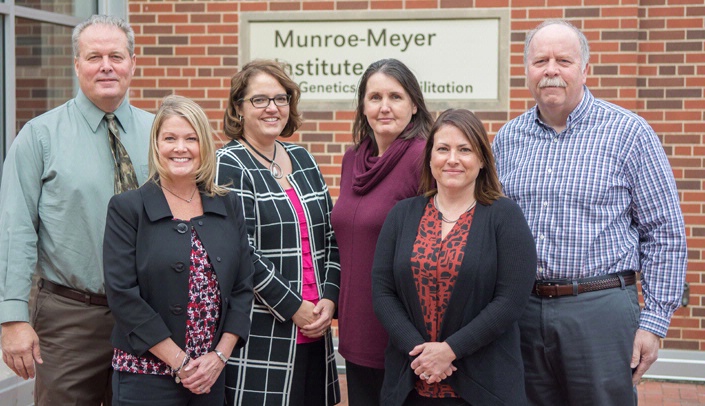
column 309, row 287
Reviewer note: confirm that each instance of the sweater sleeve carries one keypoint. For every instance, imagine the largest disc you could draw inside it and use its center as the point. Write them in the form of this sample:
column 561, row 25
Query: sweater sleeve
column 331, row 284
column 386, row 296
column 516, row 270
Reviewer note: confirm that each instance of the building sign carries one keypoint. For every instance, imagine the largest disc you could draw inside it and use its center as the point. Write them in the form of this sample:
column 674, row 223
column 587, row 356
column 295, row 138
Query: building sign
column 459, row 57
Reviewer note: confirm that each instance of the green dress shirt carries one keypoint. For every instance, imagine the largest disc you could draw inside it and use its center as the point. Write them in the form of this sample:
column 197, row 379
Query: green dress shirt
column 57, row 180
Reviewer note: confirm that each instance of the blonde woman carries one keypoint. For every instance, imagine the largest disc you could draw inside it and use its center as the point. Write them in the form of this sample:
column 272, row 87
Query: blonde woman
column 177, row 270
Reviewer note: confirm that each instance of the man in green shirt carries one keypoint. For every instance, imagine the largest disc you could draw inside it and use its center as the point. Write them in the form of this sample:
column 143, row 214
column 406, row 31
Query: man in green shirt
column 56, row 183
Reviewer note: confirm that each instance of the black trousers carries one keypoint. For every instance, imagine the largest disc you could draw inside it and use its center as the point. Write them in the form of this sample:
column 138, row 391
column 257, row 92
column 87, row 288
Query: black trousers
column 364, row 384
column 308, row 386
column 415, row 399
column 159, row 390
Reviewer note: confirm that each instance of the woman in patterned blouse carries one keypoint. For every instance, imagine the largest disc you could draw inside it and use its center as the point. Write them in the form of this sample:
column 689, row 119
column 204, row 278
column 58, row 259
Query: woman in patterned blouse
column 177, row 270
column 289, row 358
column 452, row 272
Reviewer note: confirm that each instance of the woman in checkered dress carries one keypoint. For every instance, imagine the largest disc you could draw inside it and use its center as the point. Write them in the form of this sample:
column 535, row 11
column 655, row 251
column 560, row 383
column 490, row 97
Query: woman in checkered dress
column 289, row 358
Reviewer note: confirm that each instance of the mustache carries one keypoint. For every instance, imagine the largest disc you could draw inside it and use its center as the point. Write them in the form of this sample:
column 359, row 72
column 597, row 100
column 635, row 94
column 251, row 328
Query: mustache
column 552, row 82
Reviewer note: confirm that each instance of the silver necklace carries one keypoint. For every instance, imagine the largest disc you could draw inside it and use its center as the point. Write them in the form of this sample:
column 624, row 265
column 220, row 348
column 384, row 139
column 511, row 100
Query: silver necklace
column 177, row 196
column 443, row 217
column 274, row 167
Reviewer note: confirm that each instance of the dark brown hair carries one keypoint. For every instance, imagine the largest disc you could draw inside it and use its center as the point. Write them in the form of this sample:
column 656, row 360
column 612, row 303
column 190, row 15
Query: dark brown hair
column 232, row 125
column 487, row 186
column 393, row 68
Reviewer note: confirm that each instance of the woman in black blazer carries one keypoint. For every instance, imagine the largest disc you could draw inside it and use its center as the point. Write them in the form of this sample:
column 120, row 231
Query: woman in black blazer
column 452, row 272
column 180, row 292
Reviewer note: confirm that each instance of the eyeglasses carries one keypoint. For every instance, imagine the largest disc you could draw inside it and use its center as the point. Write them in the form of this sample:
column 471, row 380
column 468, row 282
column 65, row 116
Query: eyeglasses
column 262, row 102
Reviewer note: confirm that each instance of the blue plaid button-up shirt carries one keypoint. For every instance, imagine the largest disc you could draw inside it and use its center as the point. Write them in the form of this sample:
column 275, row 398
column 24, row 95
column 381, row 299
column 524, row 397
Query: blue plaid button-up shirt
column 600, row 198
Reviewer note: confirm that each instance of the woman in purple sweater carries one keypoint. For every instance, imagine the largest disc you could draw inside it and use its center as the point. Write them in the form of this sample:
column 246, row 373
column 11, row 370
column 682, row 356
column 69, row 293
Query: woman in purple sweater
column 380, row 169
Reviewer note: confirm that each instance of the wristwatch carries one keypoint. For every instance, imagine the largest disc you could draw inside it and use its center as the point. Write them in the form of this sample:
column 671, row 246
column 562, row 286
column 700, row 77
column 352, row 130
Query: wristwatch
column 221, row 356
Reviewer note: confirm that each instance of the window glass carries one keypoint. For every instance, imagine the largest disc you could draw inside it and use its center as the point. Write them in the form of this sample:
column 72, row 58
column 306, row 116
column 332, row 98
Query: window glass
column 44, row 68
column 76, row 8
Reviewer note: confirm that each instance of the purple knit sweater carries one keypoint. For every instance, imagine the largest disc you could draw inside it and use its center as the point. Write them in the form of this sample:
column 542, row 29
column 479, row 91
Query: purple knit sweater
column 357, row 221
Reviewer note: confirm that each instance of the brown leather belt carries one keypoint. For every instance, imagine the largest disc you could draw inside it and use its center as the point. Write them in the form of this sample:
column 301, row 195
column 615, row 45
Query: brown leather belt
column 77, row 295
column 568, row 287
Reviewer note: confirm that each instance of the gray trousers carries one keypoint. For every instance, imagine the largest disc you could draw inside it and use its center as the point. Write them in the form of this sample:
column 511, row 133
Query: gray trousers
column 577, row 349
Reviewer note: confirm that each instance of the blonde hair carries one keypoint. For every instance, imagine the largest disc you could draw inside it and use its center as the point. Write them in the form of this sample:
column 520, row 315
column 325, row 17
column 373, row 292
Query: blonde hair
column 179, row 106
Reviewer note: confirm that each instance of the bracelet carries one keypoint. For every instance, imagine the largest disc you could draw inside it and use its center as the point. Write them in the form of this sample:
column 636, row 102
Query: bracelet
column 175, row 372
column 221, row 356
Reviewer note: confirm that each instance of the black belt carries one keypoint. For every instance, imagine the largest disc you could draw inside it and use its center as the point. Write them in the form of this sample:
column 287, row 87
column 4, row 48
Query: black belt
column 77, row 295
column 574, row 287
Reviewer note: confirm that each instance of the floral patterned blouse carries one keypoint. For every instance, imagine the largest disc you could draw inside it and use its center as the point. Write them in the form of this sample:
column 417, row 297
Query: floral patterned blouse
column 202, row 314
column 435, row 263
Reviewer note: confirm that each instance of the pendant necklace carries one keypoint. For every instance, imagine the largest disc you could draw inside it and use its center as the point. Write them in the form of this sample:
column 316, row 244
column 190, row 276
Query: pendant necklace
column 174, row 194
column 274, row 167
column 443, row 217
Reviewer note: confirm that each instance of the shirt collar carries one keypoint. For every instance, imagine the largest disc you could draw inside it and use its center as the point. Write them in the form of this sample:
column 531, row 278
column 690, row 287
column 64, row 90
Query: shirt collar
column 575, row 116
column 94, row 116
column 582, row 109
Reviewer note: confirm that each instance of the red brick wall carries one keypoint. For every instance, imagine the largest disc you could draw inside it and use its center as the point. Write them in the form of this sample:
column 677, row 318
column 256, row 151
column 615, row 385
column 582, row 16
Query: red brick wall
column 44, row 68
column 647, row 55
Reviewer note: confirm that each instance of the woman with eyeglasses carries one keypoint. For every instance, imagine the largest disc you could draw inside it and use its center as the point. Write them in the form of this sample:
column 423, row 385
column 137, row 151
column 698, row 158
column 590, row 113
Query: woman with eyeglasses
column 288, row 359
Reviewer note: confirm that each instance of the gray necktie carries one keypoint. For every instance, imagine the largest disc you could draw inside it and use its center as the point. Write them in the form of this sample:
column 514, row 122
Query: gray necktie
column 125, row 178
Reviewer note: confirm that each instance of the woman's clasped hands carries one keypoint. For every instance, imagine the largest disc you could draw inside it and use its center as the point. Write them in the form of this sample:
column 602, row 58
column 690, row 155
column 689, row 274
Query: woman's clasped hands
column 201, row 373
column 314, row 320
column 433, row 362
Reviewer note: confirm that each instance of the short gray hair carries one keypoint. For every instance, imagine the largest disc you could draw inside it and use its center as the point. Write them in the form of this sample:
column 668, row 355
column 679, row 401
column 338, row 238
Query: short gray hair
column 584, row 47
column 104, row 20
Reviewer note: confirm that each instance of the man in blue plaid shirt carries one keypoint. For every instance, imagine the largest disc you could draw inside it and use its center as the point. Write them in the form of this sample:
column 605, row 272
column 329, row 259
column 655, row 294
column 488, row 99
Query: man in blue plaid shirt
column 599, row 195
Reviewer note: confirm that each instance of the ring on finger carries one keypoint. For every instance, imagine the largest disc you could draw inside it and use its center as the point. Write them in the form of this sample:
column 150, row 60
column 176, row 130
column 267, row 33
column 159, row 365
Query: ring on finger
column 423, row 376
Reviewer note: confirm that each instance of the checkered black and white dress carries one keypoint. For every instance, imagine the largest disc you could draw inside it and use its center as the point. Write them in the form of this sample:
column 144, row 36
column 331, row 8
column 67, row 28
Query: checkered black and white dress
column 261, row 373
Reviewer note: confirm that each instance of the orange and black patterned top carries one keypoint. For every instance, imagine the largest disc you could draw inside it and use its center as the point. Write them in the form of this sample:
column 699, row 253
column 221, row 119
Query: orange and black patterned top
column 435, row 263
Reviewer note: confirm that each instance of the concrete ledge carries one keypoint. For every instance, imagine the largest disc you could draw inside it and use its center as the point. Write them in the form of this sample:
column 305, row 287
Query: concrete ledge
column 14, row 391
column 675, row 365
column 672, row 365
column 678, row 365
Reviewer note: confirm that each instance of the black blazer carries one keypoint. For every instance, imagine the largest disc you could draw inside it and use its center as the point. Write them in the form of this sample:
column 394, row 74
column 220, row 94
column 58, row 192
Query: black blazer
column 480, row 324
column 146, row 258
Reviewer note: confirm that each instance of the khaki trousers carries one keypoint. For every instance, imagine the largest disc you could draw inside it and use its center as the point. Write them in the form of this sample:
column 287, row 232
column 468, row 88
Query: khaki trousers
column 74, row 339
